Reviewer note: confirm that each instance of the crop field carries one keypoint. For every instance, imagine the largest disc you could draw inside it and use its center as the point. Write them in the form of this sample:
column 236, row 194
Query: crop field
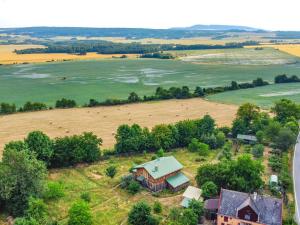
column 7, row 56
column 244, row 56
column 263, row 96
column 292, row 49
column 115, row 78
column 104, row 121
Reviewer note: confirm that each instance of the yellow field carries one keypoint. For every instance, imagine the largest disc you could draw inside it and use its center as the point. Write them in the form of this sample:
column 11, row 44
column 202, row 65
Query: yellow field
column 293, row 49
column 7, row 56
column 104, row 121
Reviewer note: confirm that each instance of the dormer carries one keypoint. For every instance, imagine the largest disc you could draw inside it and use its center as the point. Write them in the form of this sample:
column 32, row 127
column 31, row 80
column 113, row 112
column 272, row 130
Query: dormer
column 248, row 210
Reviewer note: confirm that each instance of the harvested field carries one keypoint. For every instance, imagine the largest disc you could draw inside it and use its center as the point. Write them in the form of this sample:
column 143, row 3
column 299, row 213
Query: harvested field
column 292, row 49
column 7, row 56
column 104, row 121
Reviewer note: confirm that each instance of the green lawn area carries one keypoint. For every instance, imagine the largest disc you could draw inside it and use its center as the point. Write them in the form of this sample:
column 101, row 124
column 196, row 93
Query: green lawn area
column 262, row 96
column 110, row 204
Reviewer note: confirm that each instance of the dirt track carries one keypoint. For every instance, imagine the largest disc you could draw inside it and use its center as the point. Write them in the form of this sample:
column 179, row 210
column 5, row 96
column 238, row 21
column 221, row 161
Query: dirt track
column 104, row 121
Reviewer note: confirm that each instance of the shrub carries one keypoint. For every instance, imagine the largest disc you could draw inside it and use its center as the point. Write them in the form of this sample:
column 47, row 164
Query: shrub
column 140, row 214
column 209, row 189
column 86, row 196
column 258, row 150
column 65, row 103
column 125, row 181
column 160, row 153
column 220, row 139
column 111, row 171
column 80, row 214
column 157, row 208
column 54, row 191
column 133, row 187
column 6, row 108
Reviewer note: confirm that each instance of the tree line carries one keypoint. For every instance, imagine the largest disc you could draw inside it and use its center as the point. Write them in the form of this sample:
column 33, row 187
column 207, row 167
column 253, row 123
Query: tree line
column 106, row 47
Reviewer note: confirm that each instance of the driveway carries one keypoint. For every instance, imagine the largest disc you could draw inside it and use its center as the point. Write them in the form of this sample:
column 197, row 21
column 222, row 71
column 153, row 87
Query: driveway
column 296, row 178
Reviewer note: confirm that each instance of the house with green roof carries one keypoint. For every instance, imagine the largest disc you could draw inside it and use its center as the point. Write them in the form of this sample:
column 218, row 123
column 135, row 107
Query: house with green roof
column 161, row 173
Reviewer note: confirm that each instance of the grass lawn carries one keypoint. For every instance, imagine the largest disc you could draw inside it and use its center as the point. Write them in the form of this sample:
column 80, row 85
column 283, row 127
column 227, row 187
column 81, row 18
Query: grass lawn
column 110, row 204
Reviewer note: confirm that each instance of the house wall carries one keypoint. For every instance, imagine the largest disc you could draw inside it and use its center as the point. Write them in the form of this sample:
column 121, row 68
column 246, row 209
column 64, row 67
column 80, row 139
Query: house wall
column 154, row 184
column 221, row 220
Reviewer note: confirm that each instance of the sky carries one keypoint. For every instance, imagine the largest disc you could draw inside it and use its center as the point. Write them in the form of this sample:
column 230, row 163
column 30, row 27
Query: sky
column 265, row 14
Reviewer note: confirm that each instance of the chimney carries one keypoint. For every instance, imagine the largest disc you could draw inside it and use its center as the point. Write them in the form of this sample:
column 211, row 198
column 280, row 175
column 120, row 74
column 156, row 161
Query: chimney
column 254, row 196
column 156, row 168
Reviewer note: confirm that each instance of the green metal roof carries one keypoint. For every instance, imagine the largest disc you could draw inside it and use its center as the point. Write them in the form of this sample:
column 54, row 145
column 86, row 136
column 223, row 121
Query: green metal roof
column 161, row 166
column 185, row 202
column 177, row 180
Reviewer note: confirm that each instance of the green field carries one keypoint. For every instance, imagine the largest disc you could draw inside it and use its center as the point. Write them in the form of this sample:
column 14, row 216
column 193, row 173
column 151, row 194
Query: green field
column 115, row 78
column 263, row 96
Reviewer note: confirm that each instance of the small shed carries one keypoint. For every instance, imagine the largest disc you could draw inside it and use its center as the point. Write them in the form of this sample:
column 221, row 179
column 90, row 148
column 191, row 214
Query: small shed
column 211, row 208
column 189, row 194
column 273, row 180
column 247, row 138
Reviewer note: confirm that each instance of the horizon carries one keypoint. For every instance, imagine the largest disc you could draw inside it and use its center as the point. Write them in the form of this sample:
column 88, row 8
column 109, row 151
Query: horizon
column 149, row 15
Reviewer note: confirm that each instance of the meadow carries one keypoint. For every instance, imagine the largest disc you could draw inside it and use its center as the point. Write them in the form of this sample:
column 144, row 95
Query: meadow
column 116, row 78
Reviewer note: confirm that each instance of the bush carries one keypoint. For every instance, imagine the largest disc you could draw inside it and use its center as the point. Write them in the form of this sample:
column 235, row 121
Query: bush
column 220, row 138
column 209, row 189
column 196, row 146
column 133, row 187
column 140, row 214
column 86, row 196
column 111, row 171
column 65, row 103
column 258, row 150
column 80, row 214
column 157, row 208
column 6, row 108
column 160, row 153
column 40, row 143
column 54, row 191
column 125, row 181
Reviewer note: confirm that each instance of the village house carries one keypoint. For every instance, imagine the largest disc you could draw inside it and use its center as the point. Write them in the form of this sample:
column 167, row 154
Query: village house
column 161, row 173
column 237, row 208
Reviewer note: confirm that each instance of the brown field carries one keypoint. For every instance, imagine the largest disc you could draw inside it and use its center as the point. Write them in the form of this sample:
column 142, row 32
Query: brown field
column 7, row 56
column 104, row 121
column 292, row 49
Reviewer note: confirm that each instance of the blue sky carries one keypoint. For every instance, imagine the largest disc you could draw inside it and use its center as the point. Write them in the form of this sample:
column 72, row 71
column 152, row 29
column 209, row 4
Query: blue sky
column 267, row 14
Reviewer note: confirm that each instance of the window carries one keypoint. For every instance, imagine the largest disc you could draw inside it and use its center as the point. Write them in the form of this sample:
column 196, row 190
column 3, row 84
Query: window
column 247, row 217
column 225, row 219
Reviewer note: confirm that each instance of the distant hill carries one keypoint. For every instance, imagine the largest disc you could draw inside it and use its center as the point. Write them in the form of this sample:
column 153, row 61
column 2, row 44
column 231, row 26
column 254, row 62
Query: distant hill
column 130, row 33
column 217, row 28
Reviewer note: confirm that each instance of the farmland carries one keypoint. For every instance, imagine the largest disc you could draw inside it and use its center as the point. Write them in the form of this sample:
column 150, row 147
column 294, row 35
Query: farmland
column 263, row 96
column 115, row 78
column 104, row 121
column 292, row 49
column 7, row 56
